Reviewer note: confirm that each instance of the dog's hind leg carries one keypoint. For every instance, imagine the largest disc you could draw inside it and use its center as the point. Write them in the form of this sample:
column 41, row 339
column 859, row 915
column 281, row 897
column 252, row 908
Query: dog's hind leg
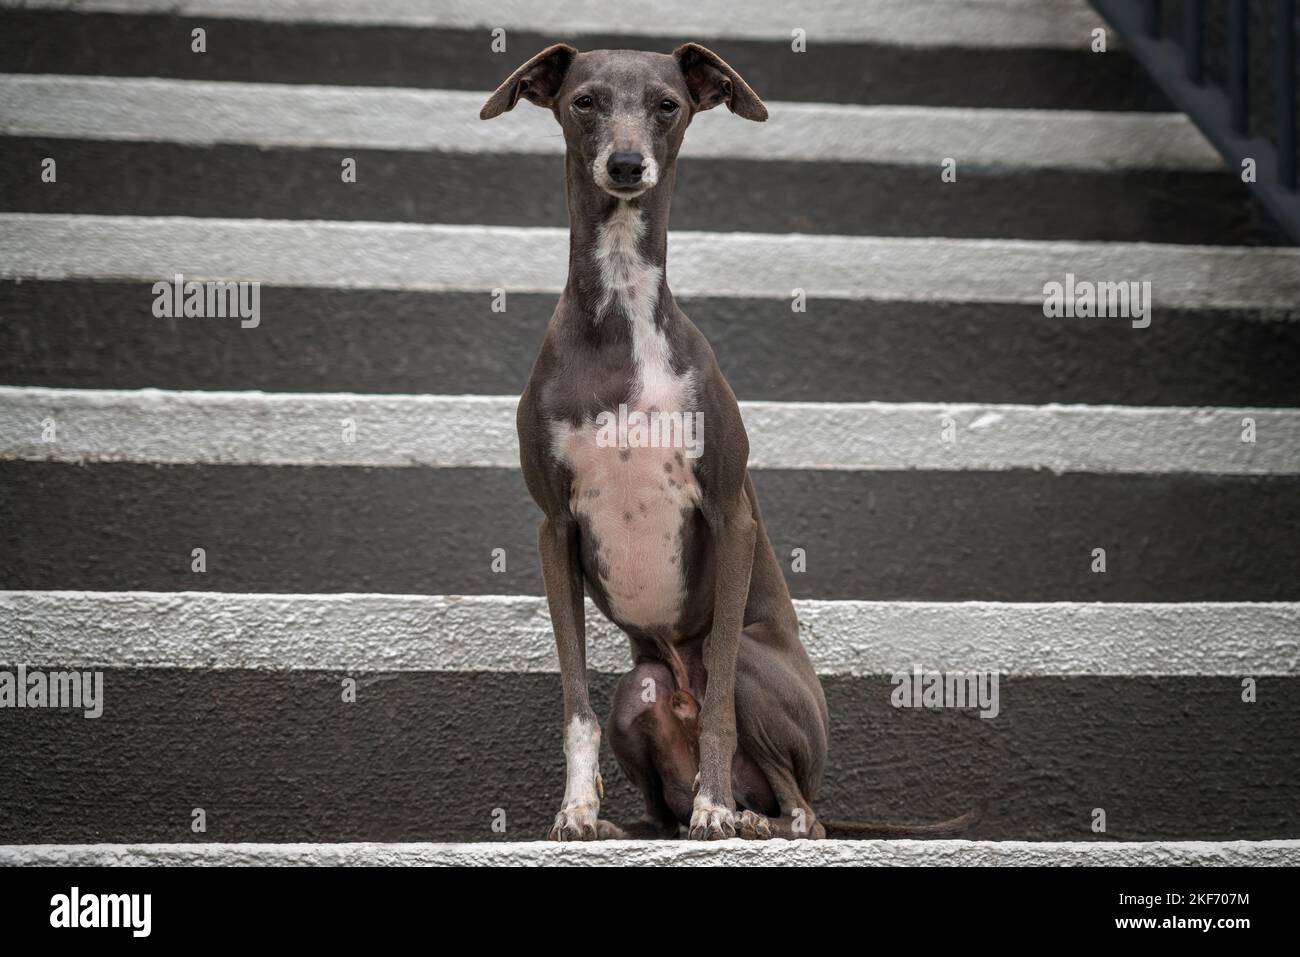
column 797, row 819
column 782, row 724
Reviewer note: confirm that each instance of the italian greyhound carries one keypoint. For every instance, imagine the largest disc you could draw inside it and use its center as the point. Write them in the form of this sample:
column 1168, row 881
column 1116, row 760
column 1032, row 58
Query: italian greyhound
column 721, row 723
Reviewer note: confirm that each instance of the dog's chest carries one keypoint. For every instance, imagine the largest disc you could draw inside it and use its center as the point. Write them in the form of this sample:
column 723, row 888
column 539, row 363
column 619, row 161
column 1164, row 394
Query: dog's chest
column 635, row 490
column 634, row 505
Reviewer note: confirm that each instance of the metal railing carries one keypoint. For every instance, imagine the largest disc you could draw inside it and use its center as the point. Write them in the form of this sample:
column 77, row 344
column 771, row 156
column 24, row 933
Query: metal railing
column 1229, row 109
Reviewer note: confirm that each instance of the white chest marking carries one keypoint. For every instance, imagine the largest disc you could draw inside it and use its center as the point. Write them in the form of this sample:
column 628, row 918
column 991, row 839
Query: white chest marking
column 632, row 285
column 635, row 500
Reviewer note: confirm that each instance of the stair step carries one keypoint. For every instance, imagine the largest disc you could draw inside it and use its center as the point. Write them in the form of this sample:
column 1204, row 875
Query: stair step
column 512, row 634
column 732, row 853
column 997, row 23
column 754, row 195
column 900, row 535
column 280, row 756
column 257, row 428
column 1004, row 536
column 447, row 720
column 263, row 114
column 102, row 334
column 840, row 69
column 434, row 257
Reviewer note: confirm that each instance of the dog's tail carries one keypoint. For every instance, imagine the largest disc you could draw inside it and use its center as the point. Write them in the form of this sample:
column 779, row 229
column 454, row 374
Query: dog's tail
column 875, row 830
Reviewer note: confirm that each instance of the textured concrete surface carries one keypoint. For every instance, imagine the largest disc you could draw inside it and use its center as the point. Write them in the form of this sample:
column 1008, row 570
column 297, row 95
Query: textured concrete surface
column 746, row 195
column 999, row 23
column 513, row 633
column 419, row 756
column 841, row 71
column 376, row 341
column 262, row 114
column 438, row 257
column 946, row 536
column 734, row 853
column 255, row 428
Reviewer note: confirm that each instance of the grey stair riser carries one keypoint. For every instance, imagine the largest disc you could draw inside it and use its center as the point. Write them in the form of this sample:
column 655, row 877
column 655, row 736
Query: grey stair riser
column 103, row 335
column 429, row 756
column 831, row 72
column 168, row 179
column 998, row 536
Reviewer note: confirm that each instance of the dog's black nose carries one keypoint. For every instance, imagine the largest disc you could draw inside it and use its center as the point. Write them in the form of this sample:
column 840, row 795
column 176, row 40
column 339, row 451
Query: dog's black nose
column 625, row 168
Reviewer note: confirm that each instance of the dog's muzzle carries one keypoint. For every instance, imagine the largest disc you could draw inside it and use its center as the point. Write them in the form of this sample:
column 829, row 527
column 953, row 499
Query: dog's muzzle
column 625, row 168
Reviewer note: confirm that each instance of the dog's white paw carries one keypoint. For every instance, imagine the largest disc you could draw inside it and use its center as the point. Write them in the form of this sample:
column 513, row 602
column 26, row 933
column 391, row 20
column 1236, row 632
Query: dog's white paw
column 753, row 827
column 711, row 822
column 576, row 823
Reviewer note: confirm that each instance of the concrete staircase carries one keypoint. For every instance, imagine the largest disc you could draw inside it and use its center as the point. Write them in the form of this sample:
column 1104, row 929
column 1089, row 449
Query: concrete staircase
column 947, row 457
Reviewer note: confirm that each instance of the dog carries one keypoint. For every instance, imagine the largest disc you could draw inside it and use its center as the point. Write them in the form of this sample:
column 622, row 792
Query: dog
column 722, row 722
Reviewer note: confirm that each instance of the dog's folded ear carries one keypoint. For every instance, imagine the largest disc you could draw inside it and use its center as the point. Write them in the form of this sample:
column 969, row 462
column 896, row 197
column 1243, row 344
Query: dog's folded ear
column 711, row 81
column 538, row 80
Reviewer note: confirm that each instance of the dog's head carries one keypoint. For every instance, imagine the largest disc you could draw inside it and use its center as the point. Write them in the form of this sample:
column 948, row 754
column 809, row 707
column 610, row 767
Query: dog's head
column 624, row 112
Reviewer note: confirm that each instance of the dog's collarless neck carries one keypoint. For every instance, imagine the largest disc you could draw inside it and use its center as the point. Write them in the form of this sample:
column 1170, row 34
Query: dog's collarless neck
column 617, row 265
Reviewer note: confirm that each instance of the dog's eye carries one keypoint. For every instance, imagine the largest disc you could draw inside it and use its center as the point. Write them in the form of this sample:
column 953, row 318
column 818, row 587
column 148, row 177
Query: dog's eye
column 667, row 107
column 584, row 102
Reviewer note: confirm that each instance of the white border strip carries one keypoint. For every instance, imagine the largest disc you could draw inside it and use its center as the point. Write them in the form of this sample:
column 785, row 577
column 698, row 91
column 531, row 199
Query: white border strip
column 732, row 853
column 273, row 114
column 259, row 428
column 390, row 633
column 982, row 23
column 517, row 259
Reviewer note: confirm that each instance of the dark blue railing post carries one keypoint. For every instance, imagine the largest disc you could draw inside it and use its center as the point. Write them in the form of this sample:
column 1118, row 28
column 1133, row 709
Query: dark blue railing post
column 1239, row 65
column 1151, row 17
column 1174, row 55
column 1193, row 38
column 1284, row 95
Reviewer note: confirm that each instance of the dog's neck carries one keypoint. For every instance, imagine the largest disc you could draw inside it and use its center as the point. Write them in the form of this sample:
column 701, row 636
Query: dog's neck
column 618, row 249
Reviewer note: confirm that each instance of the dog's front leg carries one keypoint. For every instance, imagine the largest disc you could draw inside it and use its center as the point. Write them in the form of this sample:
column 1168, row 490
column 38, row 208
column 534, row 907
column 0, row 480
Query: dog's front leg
column 734, row 531
column 558, row 543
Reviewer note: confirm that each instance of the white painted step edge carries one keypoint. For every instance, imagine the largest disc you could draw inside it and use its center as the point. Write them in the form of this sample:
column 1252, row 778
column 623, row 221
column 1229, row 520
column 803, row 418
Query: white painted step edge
column 338, row 117
column 429, row 257
column 985, row 23
column 396, row 431
column 512, row 634
column 731, row 853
